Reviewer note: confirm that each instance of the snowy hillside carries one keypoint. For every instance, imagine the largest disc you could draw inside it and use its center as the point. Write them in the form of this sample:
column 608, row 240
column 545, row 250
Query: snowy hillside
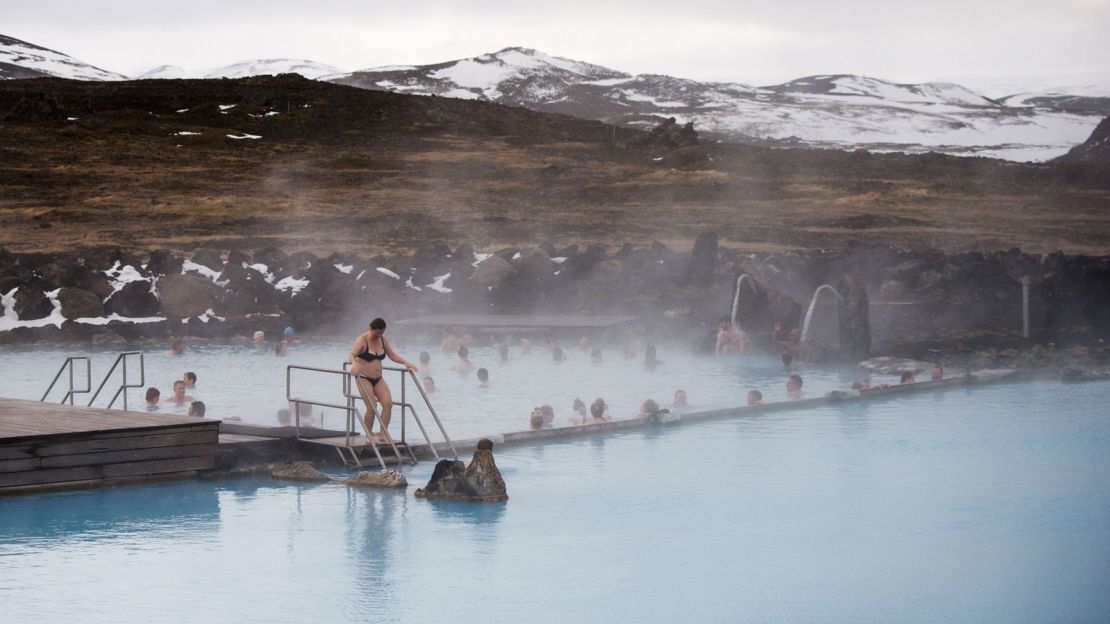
column 259, row 67
column 19, row 59
column 830, row 111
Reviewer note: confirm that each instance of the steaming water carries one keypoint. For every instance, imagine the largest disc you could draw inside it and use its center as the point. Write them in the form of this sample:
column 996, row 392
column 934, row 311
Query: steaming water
column 983, row 505
column 249, row 382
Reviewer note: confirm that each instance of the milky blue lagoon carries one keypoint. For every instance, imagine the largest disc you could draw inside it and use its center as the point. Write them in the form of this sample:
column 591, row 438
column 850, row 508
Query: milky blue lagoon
column 977, row 505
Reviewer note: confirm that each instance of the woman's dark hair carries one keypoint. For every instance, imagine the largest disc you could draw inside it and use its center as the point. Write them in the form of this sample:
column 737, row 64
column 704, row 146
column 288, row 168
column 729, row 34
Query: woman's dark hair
column 597, row 409
column 197, row 409
column 152, row 393
column 463, row 352
column 378, row 323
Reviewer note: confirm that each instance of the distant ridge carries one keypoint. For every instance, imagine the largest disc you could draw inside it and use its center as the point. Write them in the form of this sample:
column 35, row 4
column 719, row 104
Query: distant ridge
column 19, row 59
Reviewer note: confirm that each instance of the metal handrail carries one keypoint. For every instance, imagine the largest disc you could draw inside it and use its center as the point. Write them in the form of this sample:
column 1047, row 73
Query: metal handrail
column 404, row 404
column 122, row 389
column 71, row 391
column 350, row 409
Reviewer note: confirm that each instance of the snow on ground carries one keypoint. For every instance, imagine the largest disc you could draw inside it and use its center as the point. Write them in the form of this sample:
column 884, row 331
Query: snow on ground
column 186, row 133
column 438, row 286
column 189, row 265
column 264, row 270
column 385, row 271
column 30, row 56
column 244, row 136
column 345, row 268
column 10, row 320
column 291, row 284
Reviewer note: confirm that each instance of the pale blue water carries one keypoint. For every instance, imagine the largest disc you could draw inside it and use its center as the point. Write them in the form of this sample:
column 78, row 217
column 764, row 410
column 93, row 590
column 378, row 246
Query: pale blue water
column 249, row 383
column 979, row 506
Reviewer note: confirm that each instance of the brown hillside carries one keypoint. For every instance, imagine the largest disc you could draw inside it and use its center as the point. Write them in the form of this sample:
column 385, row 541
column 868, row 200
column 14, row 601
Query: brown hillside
column 343, row 169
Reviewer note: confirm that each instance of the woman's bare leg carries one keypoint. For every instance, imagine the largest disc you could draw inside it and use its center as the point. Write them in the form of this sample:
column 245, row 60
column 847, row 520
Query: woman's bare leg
column 381, row 391
column 367, row 392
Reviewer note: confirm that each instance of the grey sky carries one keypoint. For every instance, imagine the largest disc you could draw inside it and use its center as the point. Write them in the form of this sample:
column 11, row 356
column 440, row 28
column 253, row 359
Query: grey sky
column 757, row 42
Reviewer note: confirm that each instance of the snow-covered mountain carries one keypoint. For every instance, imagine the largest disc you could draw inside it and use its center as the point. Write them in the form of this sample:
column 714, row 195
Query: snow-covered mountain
column 830, row 111
column 258, row 67
column 19, row 59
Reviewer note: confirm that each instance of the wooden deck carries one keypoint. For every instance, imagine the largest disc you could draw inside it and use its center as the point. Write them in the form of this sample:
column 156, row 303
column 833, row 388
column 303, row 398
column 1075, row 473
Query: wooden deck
column 48, row 445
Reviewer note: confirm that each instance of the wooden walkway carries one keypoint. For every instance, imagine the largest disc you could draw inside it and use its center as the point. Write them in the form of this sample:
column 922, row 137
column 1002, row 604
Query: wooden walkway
column 48, row 445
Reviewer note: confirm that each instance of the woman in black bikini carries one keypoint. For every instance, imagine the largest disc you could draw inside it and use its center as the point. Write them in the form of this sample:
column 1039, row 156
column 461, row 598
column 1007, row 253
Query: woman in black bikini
column 366, row 357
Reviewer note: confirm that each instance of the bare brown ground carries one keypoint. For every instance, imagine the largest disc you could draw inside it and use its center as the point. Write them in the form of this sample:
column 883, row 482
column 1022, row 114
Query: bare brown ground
column 372, row 172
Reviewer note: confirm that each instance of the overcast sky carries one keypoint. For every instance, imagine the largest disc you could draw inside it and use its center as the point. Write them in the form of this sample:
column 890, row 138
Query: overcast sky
column 757, row 42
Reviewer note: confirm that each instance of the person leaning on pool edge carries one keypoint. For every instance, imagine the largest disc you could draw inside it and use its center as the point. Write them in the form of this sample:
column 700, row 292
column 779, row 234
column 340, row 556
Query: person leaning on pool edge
column 366, row 357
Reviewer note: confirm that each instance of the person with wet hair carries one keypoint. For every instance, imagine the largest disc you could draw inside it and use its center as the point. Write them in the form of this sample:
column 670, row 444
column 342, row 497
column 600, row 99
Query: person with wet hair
column 787, row 361
column 938, row 372
column 367, row 355
column 425, row 361
column 548, row 416
column 648, row 409
column 196, row 409
column 535, row 423
column 483, row 378
column 907, row 378
column 599, row 412
column 679, row 399
column 285, row 418
column 190, row 379
column 730, row 339
column 179, row 397
column 582, row 415
column 464, row 365
column 429, row 384
column 755, row 398
column 794, row 387
column 152, row 396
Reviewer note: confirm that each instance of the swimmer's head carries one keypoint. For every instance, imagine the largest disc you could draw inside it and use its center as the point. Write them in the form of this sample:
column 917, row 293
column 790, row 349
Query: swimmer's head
column 483, row 375
column 679, row 398
column 288, row 331
column 755, row 397
column 463, row 352
column 152, row 395
column 794, row 384
column 377, row 325
column 196, row 409
column 425, row 358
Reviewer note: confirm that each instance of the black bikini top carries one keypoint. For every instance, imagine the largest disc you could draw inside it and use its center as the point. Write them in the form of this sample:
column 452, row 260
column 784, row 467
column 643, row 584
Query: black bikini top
column 371, row 357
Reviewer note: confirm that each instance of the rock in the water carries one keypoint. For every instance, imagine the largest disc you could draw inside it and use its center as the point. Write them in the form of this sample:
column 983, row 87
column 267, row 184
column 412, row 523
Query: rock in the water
column 478, row 482
column 298, row 471
column 492, row 271
column 383, row 479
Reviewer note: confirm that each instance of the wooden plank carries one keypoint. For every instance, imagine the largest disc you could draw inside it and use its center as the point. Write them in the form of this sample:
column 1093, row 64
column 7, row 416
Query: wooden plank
column 20, row 451
column 20, row 465
column 130, row 469
column 130, row 455
column 50, row 476
column 118, row 443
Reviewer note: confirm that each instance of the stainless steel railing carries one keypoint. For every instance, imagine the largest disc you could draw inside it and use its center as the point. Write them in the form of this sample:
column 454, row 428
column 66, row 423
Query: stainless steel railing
column 68, row 364
column 124, row 385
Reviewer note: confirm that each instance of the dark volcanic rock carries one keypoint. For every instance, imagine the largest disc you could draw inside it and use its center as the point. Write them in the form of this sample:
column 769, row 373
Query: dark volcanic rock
column 134, row 300
column 703, row 258
column 164, row 263
column 209, row 258
column 1096, row 147
column 854, row 320
column 187, row 295
column 32, row 304
column 78, row 303
column 479, row 482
